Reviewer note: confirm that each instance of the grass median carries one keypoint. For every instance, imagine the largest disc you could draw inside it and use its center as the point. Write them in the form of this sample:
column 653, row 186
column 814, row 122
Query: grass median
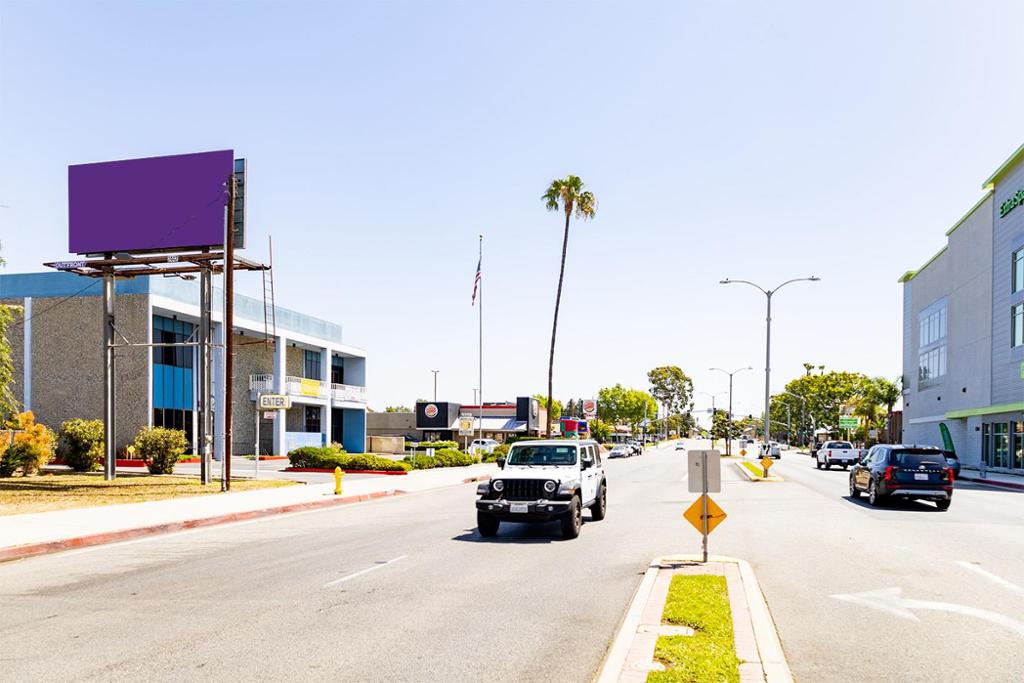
column 66, row 491
column 700, row 601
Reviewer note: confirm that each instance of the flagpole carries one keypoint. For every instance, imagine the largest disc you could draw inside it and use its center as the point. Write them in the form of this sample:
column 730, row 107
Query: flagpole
column 480, row 378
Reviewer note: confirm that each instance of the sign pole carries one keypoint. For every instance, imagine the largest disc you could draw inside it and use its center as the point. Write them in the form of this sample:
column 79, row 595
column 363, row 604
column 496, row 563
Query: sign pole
column 257, row 451
column 704, row 502
column 229, row 320
column 109, row 435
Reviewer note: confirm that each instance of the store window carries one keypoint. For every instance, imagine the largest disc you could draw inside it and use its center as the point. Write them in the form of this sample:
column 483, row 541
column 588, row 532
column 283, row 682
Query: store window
column 1018, row 270
column 1017, row 325
column 312, row 419
column 311, row 365
column 986, row 444
column 173, row 397
column 932, row 327
column 337, row 370
column 1017, row 445
column 1000, row 444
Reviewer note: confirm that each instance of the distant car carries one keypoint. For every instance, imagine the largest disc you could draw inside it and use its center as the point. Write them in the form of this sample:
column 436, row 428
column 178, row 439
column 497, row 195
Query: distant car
column 680, row 446
column 908, row 472
column 836, row 453
column 482, row 446
column 620, row 452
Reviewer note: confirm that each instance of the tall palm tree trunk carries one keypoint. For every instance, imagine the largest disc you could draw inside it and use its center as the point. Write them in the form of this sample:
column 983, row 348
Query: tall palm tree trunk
column 554, row 325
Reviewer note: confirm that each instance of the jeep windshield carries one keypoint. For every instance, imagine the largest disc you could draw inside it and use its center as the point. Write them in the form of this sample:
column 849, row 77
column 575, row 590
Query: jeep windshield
column 542, row 455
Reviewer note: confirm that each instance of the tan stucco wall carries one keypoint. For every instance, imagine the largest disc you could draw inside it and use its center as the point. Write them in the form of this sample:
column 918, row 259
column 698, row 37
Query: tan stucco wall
column 67, row 362
column 250, row 359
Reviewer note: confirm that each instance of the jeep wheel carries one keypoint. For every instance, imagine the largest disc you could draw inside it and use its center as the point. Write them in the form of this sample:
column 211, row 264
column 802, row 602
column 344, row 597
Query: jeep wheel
column 572, row 522
column 487, row 524
column 599, row 508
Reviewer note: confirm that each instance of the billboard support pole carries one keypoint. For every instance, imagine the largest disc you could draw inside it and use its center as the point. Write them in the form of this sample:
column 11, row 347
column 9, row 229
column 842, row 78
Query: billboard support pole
column 110, row 449
column 205, row 356
column 229, row 320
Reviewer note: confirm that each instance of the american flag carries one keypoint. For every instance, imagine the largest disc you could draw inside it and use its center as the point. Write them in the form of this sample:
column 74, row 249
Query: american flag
column 476, row 283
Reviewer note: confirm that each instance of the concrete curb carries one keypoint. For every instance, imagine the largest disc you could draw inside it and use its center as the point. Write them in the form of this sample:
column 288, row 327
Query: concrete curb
column 992, row 482
column 766, row 636
column 753, row 477
column 35, row 549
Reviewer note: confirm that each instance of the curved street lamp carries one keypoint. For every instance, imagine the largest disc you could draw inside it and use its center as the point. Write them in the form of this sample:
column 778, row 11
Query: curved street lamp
column 768, row 342
column 728, row 440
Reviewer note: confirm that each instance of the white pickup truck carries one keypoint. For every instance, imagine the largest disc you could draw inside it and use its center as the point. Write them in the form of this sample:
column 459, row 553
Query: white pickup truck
column 836, row 453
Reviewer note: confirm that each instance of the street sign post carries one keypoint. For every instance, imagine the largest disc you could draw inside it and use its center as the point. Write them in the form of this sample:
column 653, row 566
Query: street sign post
column 704, row 473
column 766, row 463
column 270, row 403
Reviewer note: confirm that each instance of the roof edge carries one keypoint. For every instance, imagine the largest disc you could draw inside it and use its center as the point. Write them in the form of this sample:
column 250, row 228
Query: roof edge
column 911, row 274
column 984, row 197
column 999, row 172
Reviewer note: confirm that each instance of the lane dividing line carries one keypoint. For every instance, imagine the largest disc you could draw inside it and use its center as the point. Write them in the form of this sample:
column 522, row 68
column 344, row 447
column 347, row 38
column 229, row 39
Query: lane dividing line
column 990, row 576
column 364, row 571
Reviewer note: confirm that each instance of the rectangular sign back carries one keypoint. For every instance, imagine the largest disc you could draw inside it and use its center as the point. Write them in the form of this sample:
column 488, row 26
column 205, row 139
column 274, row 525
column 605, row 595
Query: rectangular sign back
column 695, row 471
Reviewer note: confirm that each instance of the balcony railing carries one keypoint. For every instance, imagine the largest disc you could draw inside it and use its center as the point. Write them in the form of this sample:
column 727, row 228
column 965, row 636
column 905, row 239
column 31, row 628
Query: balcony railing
column 312, row 388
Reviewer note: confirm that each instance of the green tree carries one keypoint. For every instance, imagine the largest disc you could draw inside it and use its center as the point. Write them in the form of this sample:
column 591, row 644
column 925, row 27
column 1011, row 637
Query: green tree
column 8, row 404
column 555, row 404
column 397, row 409
column 568, row 195
column 671, row 387
column 622, row 405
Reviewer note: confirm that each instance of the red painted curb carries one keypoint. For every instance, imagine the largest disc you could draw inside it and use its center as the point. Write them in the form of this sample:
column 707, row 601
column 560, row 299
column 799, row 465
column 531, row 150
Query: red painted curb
column 993, row 482
column 331, row 471
column 273, row 457
column 34, row 549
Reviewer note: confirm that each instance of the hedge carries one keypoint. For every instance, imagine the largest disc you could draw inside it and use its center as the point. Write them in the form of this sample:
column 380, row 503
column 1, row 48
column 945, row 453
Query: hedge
column 81, row 444
column 329, row 458
column 32, row 446
column 160, row 448
column 437, row 445
column 446, row 457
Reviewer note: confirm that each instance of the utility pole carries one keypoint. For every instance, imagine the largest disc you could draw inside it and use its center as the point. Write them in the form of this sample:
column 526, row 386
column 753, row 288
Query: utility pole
column 229, row 324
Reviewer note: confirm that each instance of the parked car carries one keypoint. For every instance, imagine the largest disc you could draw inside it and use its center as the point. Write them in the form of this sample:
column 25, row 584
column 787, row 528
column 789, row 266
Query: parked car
column 908, row 472
column 680, row 446
column 482, row 446
column 836, row 453
column 620, row 452
column 544, row 481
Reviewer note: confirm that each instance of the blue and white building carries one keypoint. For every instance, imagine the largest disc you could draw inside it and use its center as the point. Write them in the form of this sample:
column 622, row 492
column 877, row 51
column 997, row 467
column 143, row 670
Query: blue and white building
column 58, row 360
column 963, row 331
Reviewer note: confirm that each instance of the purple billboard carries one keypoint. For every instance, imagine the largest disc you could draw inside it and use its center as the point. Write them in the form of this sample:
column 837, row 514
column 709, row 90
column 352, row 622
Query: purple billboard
column 157, row 203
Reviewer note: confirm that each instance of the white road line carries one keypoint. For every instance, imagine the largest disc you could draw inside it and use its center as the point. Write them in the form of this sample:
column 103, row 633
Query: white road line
column 990, row 576
column 364, row 571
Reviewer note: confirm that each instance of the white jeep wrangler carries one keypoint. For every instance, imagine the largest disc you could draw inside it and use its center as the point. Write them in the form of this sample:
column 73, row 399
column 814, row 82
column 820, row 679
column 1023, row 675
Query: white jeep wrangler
column 543, row 481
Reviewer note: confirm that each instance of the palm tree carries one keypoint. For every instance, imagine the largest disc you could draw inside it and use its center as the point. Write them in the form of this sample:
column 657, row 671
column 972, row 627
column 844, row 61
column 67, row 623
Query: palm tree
column 568, row 195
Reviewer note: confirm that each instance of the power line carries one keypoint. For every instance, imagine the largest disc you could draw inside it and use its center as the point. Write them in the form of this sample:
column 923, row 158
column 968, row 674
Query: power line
column 54, row 305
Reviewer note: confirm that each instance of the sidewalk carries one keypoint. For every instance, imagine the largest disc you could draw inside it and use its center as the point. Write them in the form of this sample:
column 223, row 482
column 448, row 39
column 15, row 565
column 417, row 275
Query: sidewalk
column 44, row 532
column 1009, row 481
column 631, row 656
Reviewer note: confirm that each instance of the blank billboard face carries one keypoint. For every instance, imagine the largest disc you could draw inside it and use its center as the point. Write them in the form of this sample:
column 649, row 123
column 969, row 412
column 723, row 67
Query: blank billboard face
column 157, row 203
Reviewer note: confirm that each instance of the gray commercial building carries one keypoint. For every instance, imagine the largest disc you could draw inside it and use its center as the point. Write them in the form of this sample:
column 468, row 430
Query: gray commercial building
column 57, row 348
column 963, row 332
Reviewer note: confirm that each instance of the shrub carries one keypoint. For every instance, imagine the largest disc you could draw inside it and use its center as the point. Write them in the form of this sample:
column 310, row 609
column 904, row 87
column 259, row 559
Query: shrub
column 446, row 457
column 329, row 458
column 81, row 444
column 500, row 451
column 32, row 447
column 160, row 448
column 437, row 445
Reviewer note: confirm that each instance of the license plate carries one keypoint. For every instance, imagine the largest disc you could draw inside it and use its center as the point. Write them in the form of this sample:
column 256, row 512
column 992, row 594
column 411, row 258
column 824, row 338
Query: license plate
column 921, row 477
column 519, row 507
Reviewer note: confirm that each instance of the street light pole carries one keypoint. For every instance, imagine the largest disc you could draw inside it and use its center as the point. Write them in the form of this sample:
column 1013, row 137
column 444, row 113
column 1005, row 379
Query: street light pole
column 728, row 440
column 435, row 384
column 768, row 344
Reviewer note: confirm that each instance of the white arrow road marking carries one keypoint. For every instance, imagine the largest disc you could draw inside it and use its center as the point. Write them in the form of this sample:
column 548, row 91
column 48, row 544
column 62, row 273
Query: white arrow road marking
column 890, row 600
column 990, row 576
column 364, row 571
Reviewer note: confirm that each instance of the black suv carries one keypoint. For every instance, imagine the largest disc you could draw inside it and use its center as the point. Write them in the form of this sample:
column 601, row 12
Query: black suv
column 918, row 472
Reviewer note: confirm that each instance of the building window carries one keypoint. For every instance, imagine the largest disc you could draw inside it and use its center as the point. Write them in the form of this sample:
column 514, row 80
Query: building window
column 1017, row 446
column 986, row 443
column 1000, row 445
column 1017, row 325
column 337, row 370
column 1018, row 270
column 311, row 365
column 173, row 385
column 932, row 327
column 312, row 421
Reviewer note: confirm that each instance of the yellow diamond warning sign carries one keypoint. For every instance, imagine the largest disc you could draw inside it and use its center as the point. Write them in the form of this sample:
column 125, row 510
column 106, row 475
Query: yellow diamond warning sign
column 694, row 512
column 767, row 462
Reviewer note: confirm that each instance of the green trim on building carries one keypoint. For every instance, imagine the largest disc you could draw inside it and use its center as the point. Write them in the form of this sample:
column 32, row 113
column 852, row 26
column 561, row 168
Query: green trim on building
column 911, row 274
column 987, row 410
column 967, row 215
column 907, row 276
column 1001, row 171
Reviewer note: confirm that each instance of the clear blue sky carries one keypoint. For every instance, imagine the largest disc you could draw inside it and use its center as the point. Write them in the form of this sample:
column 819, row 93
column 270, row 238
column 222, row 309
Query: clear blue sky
column 757, row 140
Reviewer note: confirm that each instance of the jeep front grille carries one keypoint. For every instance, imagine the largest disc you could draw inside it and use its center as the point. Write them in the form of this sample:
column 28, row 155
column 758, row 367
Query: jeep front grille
column 524, row 489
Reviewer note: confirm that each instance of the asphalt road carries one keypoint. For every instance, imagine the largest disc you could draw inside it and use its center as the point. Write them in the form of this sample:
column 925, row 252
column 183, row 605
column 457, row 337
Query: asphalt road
column 404, row 589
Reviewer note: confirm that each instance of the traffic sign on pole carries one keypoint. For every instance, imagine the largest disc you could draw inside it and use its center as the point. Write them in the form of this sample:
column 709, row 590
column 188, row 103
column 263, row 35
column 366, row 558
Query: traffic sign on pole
column 696, row 516
column 696, row 462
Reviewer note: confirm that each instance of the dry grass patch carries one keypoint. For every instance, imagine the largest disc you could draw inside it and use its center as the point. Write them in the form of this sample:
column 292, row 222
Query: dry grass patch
column 61, row 491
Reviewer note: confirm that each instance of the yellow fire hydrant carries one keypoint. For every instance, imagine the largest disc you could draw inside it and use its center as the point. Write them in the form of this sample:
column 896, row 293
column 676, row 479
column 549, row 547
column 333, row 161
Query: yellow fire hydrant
column 338, row 474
